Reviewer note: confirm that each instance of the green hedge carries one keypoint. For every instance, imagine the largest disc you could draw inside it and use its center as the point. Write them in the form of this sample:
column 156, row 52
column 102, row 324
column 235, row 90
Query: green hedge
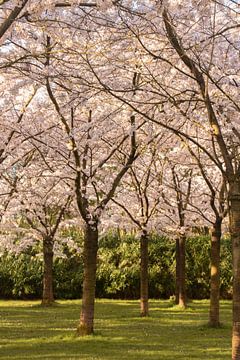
column 118, row 270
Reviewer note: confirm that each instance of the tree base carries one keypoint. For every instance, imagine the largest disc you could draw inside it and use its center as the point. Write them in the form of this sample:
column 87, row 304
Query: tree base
column 214, row 324
column 182, row 306
column 144, row 314
column 84, row 330
column 48, row 302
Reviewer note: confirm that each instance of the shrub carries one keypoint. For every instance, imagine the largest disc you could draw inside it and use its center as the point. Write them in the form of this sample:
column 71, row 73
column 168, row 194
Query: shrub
column 118, row 269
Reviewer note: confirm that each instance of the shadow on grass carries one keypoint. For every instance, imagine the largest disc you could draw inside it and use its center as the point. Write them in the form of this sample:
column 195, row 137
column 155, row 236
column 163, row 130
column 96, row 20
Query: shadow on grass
column 35, row 332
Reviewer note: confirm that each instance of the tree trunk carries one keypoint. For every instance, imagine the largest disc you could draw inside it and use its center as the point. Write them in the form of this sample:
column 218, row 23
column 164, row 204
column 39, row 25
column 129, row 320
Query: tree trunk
column 89, row 280
column 177, row 273
column 234, row 198
column 144, row 275
column 215, row 274
column 181, row 299
column 47, row 298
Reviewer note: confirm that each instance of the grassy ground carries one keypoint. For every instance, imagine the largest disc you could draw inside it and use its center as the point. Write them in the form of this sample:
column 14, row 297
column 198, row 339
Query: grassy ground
column 28, row 331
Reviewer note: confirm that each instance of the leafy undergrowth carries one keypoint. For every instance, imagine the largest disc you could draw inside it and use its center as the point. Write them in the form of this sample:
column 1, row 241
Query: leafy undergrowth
column 29, row 331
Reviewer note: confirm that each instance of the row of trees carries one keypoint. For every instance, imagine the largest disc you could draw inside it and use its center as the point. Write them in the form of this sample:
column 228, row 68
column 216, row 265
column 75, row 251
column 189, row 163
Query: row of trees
column 124, row 114
column 118, row 270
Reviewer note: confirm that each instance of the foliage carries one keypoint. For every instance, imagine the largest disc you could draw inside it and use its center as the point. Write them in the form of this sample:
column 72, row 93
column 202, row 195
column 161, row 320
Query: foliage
column 20, row 276
column 118, row 269
column 197, row 267
column 226, row 268
column 68, row 277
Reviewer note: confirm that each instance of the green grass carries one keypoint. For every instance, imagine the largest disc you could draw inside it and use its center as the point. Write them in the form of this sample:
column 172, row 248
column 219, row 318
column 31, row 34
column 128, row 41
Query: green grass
column 29, row 331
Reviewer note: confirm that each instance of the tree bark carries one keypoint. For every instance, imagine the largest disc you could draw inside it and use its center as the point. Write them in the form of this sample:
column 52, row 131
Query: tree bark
column 215, row 275
column 234, row 199
column 177, row 272
column 181, row 298
column 144, row 275
column 86, row 325
column 47, row 298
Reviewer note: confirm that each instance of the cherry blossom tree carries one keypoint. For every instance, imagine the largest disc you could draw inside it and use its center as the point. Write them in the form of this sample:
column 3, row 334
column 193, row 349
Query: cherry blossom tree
column 140, row 197
column 216, row 198
column 94, row 191
column 14, row 105
column 82, row 154
column 180, row 180
column 193, row 87
column 39, row 200
column 44, row 212
column 227, row 150
column 102, row 74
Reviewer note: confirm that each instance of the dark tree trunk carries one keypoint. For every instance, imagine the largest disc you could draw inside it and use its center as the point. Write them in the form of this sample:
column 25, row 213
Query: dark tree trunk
column 215, row 274
column 177, row 273
column 181, row 299
column 89, row 280
column 234, row 198
column 144, row 275
column 47, row 298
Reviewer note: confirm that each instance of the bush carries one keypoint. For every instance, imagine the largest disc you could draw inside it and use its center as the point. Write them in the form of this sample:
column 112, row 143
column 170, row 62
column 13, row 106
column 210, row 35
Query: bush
column 21, row 276
column 118, row 269
column 68, row 276
column 198, row 267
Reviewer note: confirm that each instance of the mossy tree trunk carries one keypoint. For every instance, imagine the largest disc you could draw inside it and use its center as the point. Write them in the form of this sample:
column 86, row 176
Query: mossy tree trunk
column 47, row 298
column 86, row 325
column 144, row 274
column 215, row 274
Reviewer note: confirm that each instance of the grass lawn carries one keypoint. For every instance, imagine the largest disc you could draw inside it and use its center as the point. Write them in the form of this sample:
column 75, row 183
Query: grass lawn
column 28, row 331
